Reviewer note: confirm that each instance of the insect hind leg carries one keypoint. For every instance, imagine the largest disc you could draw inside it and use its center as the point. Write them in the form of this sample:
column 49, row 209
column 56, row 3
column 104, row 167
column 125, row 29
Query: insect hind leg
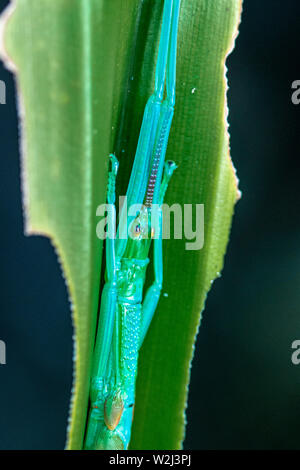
column 172, row 54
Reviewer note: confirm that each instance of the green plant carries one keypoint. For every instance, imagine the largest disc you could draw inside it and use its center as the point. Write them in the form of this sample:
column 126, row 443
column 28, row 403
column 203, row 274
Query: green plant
column 84, row 71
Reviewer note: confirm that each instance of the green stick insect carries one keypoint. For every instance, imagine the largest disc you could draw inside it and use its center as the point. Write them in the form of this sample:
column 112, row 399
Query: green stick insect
column 124, row 315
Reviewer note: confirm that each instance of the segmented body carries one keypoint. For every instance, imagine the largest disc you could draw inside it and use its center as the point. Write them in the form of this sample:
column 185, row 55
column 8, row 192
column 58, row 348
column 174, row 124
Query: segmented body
column 131, row 279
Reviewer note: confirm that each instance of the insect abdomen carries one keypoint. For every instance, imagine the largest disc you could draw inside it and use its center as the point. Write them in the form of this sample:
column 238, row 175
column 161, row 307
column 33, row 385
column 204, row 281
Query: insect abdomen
column 131, row 322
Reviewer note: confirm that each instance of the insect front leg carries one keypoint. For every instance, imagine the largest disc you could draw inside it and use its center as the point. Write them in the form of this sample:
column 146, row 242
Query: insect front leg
column 172, row 53
column 109, row 293
column 154, row 291
column 106, row 323
column 169, row 169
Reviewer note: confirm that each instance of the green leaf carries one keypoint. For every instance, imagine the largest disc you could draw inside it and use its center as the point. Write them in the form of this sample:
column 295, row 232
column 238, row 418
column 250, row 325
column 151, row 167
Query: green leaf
column 84, row 72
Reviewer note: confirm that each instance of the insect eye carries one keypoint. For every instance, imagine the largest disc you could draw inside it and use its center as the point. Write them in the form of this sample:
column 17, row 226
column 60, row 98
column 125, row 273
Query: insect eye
column 138, row 228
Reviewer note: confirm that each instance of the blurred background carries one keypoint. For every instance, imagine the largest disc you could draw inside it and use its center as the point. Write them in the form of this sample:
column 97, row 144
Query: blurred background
column 244, row 391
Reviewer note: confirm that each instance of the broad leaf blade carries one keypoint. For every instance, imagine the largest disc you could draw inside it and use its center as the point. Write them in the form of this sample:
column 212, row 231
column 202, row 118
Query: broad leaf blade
column 85, row 71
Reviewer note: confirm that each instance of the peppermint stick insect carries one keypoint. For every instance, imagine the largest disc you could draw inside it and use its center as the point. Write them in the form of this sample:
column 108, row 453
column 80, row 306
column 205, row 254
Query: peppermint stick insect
column 124, row 315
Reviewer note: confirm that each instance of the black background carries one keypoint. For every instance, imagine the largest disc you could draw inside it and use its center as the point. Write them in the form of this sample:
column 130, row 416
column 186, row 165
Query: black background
column 244, row 392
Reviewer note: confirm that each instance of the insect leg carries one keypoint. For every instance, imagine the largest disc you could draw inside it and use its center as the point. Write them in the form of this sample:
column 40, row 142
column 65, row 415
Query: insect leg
column 109, row 293
column 138, row 180
column 172, row 54
column 160, row 73
column 114, row 403
column 169, row 168
column 106, row 319
column 156, row 195
column 149, row 130
column 167, row 106
column 153, row 293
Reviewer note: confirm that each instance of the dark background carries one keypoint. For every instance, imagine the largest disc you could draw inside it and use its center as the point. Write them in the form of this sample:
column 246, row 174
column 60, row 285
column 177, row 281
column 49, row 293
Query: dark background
column 244, row 392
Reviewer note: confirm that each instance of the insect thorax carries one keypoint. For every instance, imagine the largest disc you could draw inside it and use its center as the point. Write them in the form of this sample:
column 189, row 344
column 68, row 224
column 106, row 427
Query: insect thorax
column 130, row 280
